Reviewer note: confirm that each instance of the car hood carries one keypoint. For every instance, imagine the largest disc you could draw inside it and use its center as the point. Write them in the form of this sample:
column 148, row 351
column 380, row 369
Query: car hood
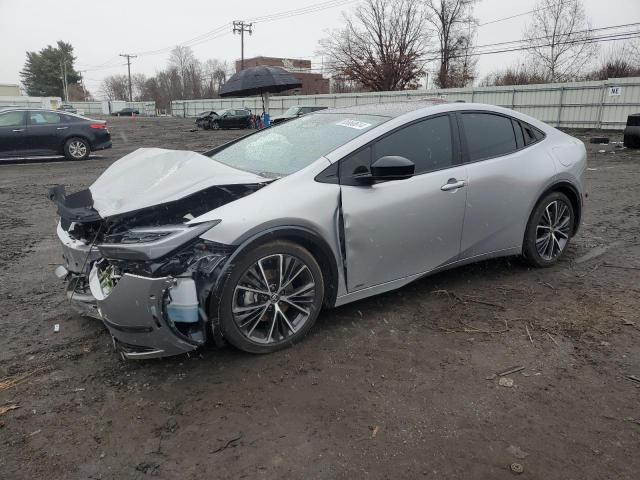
column 152, row 176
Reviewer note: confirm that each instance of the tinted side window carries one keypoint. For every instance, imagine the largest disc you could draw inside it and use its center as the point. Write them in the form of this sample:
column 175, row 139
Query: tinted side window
column 357, row 164
column 518, row 129
column 488, row 135
column 12, row 119
column 44, row 118
column 427, row 143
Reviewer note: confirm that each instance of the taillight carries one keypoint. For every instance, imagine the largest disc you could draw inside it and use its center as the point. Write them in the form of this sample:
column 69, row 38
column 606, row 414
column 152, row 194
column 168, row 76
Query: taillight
column 98, row 126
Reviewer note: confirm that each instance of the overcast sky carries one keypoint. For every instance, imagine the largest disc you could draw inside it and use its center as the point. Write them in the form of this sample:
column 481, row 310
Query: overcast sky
column 100, row 30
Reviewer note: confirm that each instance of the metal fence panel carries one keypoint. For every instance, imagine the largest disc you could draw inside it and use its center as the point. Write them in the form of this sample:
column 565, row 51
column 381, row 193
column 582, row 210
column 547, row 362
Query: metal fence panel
column 593, row 104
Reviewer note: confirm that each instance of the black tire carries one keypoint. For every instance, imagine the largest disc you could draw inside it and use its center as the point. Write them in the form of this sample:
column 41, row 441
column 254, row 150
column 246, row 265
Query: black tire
column 76, row 148
column 534, row 240
column 232, row 331
column 215, row 126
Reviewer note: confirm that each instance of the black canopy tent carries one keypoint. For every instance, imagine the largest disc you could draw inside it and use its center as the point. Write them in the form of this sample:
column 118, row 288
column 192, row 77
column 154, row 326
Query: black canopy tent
column 261, row 80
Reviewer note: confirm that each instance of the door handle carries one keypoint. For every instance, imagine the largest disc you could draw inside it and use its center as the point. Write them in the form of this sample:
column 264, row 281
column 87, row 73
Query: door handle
column 452, row 184
column 18, row 129
column 61, row 128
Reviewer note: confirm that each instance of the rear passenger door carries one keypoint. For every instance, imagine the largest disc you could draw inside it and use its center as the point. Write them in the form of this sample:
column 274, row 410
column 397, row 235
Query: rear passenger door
column 506, row 170
column 45, row 131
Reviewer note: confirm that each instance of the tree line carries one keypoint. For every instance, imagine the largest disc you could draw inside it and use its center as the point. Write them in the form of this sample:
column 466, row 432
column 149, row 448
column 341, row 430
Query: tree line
column 383, row 45
column 394, row 44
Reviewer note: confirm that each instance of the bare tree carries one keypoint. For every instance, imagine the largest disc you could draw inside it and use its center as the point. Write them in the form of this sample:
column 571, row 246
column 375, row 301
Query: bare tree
column 215, row 75
column 560, row 38
column 116, row 87
column 381, row 46
column 454, row 28
column 617, row 62
column 518, row 75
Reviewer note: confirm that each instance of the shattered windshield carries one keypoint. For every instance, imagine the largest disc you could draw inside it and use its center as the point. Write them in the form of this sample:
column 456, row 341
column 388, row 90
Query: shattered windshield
column 287, row 148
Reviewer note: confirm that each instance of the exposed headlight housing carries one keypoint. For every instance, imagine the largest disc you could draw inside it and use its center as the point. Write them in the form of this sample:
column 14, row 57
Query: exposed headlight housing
column 151, row 242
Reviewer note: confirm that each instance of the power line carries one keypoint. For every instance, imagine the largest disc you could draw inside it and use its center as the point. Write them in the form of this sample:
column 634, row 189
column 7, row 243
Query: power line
column 627, row 35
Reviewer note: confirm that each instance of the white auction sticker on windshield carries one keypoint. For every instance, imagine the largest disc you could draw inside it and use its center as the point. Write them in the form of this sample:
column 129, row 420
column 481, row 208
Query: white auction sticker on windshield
column 353, row 124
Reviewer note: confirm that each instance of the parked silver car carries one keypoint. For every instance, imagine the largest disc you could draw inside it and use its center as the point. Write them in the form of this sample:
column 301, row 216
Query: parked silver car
column 247, row 242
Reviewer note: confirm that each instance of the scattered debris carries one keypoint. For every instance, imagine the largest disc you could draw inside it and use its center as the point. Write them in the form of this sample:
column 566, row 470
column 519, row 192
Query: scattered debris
column 553, row 339
column 148, row 468
column 229, row 443
column 602, row 151
column 517, row 452
column 56, row 328
column 626, row 267
column 592, row 169
column 375, row 431
column 516, row 468
column 628, row 323
column 491, row 377
column 13, row 381
column 35, row 433
column 7, row 408
column 505, row 382
column 633, row 378
column 511, row 370
column 528, row 333
column 599, row 140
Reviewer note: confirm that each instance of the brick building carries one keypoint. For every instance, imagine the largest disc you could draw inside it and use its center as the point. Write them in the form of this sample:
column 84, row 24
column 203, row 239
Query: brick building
column 312, row 83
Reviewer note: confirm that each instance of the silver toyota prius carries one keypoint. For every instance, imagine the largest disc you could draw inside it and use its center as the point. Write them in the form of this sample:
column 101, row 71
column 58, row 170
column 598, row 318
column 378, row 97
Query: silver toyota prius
column 247, row 242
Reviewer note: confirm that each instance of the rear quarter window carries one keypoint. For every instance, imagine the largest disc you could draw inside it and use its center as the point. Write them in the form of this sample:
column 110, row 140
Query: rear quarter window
column 488, row 135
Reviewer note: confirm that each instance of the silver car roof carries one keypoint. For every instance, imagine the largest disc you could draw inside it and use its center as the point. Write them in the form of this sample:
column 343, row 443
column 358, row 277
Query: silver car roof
column 391, row 110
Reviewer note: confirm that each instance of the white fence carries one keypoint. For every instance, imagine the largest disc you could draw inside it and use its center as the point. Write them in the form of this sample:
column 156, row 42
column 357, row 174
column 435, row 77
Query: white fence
column 109, row 106
column 598, row 104
column 87, row 108
column 30, row 102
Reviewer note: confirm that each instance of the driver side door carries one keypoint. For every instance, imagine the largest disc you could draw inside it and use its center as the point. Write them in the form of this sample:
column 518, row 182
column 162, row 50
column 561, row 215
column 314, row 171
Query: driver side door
column 398, row 228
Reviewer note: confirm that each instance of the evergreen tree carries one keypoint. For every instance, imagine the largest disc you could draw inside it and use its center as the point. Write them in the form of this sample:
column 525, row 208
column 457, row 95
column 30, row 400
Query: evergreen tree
column 42, row 72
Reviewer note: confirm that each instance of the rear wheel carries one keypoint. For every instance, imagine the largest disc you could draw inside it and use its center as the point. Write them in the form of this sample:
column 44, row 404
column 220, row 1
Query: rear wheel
column 76, row 149
column 271, row 298
column 549, row 230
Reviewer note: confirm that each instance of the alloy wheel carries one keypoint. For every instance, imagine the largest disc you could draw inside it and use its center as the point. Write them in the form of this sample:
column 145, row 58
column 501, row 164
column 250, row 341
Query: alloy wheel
column 553, row 230
column 273, row 299
column 77, row 149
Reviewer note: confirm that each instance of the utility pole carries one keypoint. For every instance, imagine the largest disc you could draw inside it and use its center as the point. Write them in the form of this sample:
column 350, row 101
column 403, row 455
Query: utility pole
column 63, row 75
column 129, row 57
column 240, row 27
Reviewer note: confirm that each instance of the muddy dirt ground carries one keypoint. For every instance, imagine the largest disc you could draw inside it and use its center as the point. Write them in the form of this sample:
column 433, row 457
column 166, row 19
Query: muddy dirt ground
column 397, row 386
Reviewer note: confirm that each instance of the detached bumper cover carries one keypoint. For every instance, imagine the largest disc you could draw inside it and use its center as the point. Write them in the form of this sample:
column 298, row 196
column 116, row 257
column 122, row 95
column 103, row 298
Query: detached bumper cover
column 134, row 314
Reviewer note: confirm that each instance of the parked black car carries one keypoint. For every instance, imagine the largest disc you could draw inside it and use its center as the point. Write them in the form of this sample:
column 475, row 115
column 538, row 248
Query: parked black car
column 203, row 120
column 632, row 131
column 230, row 118
column 126, row 112
column 295, row 112
column 35, row 132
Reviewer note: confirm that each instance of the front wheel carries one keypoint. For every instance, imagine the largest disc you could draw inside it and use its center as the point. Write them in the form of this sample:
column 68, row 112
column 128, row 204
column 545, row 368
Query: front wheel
column 76, row 149
column 215, row 126
column 549, row 230
column 271, row 298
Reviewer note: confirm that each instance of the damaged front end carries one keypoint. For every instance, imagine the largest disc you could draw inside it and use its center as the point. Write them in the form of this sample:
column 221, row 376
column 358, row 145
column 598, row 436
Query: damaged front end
column 146, row 274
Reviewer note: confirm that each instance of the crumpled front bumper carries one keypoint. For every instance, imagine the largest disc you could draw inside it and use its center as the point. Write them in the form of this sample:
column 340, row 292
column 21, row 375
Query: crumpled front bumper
column 133, row 311
column 134, row 314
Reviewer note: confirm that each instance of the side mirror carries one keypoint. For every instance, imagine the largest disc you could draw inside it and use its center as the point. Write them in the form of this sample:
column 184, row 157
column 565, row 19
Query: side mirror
column 392, row 168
